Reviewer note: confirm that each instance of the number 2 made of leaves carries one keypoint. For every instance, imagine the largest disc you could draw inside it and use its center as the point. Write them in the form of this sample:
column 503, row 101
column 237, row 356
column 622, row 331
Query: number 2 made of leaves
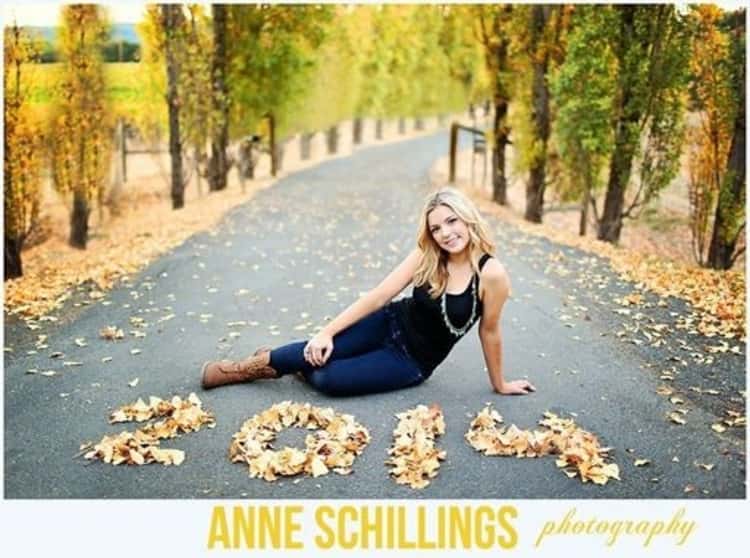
column 176, row 416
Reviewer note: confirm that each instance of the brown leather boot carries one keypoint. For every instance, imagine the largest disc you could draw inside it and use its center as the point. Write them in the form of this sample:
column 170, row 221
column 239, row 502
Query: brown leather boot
column 223, row 372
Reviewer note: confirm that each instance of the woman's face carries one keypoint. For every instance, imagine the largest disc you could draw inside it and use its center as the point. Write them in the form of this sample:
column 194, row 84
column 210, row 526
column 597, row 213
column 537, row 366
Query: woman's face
column 448, row 230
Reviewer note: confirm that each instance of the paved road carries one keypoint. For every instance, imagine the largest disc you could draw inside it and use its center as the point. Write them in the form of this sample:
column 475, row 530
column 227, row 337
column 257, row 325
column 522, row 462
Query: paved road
column 296, row 254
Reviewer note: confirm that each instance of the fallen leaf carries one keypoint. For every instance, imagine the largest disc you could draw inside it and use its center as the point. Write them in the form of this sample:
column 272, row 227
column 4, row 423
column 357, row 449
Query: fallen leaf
column 676, row 418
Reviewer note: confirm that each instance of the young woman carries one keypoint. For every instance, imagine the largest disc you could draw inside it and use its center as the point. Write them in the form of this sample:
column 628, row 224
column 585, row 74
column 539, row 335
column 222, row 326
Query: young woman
column 378, row 345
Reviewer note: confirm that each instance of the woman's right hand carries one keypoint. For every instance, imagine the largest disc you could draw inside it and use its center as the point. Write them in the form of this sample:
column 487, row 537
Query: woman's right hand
column 319, row 349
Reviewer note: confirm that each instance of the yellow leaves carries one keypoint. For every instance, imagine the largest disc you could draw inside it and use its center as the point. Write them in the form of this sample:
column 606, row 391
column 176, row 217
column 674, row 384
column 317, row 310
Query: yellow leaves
column 579, row 451
column 334, row 443
column 110, row 333
column 641, row 462
column 633, row 299
column 414, row 459
column 664, row 390
column 676, row 417
column 732, row 419
column 142, row 446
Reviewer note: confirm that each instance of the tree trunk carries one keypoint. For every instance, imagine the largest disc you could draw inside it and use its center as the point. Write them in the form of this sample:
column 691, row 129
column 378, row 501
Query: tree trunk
column 540, row 115
column 610, row 224
column 497, row 63
column 379, row 129
column 79, row 218
column 402, row 125
column 730, row 210
column 218, row 166
column 172, row 20
column 79, row 221
column 501, row 131
column 13, row 266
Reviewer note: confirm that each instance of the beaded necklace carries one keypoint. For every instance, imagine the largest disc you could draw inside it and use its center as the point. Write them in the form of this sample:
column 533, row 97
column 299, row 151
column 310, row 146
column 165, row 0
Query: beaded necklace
column 459, row 332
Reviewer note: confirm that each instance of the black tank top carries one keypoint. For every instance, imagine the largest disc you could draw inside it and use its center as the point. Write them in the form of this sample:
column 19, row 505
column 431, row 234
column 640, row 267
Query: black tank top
column 428, row 339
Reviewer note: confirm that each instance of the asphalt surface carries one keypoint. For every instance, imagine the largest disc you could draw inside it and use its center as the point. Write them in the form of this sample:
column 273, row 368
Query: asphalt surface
column 297, row 254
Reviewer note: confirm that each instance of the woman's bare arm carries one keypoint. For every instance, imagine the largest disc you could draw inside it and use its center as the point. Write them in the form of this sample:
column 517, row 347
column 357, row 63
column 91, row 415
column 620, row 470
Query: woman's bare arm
column 396, row 281
column 495, row 291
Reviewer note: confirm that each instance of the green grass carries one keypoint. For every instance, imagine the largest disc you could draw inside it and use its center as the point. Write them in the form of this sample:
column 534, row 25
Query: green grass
column 122, row 85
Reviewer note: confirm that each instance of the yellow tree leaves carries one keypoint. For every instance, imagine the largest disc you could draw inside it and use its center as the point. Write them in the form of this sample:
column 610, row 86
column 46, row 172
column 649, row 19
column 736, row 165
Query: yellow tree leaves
column 142, row 446
column 710, row 129
column 80, row 143
column 579, row 451
column 337, row 439
column 414, row 459
column 22, row 163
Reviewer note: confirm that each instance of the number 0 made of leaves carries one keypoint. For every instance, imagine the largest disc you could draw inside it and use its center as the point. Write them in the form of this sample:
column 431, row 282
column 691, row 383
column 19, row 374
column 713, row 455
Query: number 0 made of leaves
column 334, row 443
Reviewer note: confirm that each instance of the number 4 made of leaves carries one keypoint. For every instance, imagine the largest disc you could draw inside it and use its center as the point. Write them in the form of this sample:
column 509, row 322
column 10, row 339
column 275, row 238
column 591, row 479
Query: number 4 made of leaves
column 176, row 416
column 579, row 452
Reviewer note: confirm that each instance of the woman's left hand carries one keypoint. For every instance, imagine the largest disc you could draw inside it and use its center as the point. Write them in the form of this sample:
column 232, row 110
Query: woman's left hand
column 318, row 349
column 517, row 387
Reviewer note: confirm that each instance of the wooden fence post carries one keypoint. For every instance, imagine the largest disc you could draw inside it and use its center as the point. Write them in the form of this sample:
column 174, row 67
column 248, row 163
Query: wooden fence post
column 272, row 144
column 122, row 129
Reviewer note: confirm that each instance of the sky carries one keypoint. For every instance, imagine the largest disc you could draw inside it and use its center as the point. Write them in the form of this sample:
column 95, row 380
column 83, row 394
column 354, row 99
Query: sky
column 46, row 13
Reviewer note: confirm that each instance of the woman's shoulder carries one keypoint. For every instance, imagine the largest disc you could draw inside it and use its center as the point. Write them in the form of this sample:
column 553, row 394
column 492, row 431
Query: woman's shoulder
column 493, row 272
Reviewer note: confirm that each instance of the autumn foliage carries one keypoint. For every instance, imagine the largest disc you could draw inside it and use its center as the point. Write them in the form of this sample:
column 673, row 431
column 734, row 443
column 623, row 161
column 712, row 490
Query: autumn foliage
column 711, row 131
column 22, row 160
column 81, row 140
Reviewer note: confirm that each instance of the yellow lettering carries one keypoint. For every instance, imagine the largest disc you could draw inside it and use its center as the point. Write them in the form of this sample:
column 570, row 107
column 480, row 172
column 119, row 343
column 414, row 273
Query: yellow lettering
column 218, row 532
column 422, row 542
column 460, row 523
column 346, row 540
column 291, row 525
column 484, row 529
column 403, row 543
column 269, row 527
column 371, row 526
column 243, row 526
column 330, row 537
column 391, row 530
column 512, row 535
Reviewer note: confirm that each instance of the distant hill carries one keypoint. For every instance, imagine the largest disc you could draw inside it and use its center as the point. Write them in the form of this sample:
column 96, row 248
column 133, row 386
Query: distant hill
column 119, row 32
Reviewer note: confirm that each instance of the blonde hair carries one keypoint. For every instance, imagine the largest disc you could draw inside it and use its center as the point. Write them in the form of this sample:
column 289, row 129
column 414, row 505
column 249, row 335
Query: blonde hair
column 432, row 269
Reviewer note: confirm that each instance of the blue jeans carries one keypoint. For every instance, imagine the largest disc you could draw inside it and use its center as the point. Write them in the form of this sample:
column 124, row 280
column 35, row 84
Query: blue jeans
column 368, row 357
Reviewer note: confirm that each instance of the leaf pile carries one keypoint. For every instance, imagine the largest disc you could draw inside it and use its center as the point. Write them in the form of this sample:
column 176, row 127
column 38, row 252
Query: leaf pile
column 337, row 441
column 142, row 446
column 579, row 451
column 414, row 459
